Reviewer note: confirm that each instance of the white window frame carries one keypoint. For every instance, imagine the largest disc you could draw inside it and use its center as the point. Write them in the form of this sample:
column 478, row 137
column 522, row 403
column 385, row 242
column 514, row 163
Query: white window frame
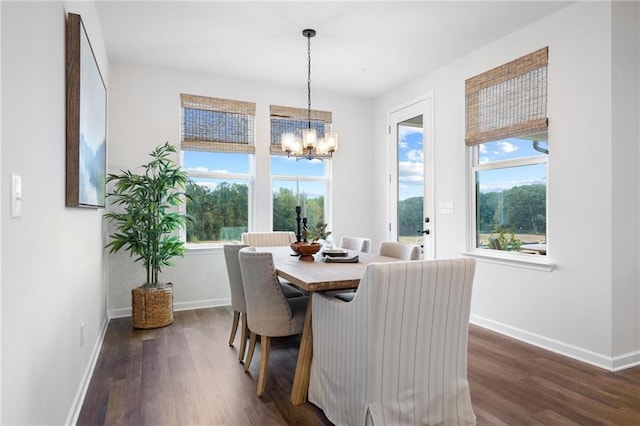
column 496, row 256
column 250, row 179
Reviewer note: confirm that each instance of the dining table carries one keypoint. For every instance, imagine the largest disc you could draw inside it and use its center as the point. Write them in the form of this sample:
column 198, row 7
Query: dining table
column 316, row 276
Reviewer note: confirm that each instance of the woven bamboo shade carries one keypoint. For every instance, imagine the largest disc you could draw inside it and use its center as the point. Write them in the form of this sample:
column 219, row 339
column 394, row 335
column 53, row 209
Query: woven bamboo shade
column 217, row 125
column 508, row 101
column 293, row 120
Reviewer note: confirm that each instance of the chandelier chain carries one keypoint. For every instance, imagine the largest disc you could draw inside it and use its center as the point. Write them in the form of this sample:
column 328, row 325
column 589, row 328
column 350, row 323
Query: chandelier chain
column 309, row 80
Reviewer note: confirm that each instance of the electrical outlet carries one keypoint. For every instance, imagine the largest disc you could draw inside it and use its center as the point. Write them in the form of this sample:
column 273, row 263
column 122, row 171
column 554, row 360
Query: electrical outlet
column 82, row 334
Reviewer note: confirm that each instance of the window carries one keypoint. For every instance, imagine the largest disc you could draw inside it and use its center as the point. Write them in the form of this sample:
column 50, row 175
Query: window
column 298, row 182
column 218, row 143
column 507, row 130
column 510, row 177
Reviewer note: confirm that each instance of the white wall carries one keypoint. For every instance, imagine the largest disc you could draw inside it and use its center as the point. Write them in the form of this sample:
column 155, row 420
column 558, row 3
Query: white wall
column 144, row 111
column 625, row 63
column 570, row 309
column 52, row 258
column 1, row 209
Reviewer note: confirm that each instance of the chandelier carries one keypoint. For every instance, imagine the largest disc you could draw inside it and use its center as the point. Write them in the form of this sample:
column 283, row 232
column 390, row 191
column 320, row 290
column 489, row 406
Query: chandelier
column 308, row 145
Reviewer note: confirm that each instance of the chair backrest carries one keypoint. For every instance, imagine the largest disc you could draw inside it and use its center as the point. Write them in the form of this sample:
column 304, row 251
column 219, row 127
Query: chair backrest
column 362, row 245
column 406, row 338
column 400, row 251
column 433, row 299
column 235, row 278
column 268, row 312
column 268, row 239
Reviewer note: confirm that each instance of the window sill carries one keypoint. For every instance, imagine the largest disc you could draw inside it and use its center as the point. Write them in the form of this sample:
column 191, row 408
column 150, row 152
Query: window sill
column 196, row 249
column 538, row 263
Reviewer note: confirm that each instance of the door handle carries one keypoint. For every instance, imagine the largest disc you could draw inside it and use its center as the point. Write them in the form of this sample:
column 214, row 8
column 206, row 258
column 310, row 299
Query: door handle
column 425, row 231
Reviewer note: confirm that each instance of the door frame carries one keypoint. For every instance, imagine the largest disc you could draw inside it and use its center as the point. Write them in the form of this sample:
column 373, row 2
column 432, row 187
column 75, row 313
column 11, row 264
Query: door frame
column 420, row 105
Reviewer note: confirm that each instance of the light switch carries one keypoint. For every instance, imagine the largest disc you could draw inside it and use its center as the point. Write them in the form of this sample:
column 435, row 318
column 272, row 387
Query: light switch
column 445, row 207
column 16, row 196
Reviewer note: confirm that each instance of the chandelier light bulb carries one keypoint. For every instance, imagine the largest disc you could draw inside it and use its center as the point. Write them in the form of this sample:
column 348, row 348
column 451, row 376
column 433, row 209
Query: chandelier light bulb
column 309, row 138
column 331, row 139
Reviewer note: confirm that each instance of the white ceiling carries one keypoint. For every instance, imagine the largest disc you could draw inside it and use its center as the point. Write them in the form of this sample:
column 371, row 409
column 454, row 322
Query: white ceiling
column 361, row 49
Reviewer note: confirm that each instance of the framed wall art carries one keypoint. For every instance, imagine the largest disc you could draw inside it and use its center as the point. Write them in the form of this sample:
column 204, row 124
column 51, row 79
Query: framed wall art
column 86, row 144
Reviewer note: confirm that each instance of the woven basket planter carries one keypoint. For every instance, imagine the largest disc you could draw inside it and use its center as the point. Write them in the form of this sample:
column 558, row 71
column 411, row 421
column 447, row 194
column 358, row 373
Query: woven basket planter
column 152, row 308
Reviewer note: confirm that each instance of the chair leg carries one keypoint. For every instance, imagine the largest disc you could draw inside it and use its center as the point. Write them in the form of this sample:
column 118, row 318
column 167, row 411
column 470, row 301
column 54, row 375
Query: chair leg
column 252, row 346
column 265, row 346
column 245, row 335
column 234, row 327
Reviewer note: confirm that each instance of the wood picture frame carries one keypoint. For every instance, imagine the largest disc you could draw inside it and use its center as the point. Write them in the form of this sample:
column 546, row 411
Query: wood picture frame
column 86, row 120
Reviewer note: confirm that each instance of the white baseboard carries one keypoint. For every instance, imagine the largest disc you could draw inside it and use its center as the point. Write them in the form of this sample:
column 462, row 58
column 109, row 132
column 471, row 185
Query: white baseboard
column 81, row 393
column 617, row 363
column 624, row 361
column 182, row 306
column 200, row 304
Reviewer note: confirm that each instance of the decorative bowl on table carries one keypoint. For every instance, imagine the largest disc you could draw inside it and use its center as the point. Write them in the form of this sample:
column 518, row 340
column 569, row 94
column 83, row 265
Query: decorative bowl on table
column 305, row 251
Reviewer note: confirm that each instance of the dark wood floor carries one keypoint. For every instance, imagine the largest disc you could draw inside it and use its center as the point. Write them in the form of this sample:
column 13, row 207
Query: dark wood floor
column 186, row 374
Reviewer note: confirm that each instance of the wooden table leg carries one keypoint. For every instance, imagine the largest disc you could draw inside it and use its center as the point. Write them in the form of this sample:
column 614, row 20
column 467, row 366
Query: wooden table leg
column 303, row 366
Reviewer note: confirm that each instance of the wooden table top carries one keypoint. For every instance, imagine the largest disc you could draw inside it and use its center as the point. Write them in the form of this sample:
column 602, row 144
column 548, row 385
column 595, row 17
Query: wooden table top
column 318, row 275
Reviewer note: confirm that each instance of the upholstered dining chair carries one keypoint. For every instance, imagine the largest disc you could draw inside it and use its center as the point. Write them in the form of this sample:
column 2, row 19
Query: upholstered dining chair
column 397, row 354
column 274, row 239
column 268, row 239
column 238, row 302
column 269, row 312
column 363, row 245
column 402, row 251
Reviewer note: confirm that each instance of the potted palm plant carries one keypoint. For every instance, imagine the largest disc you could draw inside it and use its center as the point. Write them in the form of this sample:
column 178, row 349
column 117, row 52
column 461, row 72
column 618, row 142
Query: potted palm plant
column 146, row 221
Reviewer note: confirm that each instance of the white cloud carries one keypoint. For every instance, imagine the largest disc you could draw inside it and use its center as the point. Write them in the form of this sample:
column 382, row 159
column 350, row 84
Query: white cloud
column 202, row 169
column 415, row 155
column 501, row 186
column 404, row 132
column 506, row 147
column 410, row 172
column 197, row 169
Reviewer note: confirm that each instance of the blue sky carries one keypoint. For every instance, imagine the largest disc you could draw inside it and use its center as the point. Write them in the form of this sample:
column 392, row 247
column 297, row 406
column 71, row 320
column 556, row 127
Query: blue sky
column 198, row 161
column 410, row 162
column 410, row 165
column 508, row 149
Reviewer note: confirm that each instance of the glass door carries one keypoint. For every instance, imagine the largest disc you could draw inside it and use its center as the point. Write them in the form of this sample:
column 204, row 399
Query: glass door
column 411, row 214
